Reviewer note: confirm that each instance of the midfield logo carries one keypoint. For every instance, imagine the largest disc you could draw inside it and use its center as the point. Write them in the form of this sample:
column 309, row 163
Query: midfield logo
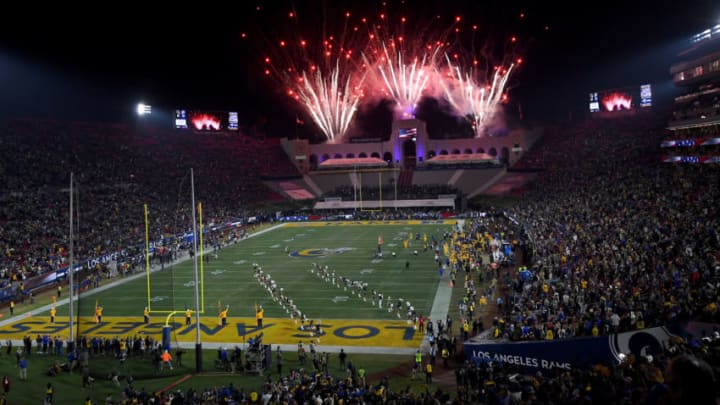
column 321, row 252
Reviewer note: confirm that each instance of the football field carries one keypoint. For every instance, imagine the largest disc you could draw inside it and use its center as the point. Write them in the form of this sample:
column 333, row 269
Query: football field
column 290, row 255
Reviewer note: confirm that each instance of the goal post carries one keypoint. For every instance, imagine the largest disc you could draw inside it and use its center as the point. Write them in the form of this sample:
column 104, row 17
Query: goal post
column 161, row 284
column 361, row 205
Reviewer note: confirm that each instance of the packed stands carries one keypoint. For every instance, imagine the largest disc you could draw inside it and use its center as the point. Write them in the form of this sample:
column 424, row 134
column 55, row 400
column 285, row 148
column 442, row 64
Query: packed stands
column 618, row 241
column 613, row 241
column 118, row 169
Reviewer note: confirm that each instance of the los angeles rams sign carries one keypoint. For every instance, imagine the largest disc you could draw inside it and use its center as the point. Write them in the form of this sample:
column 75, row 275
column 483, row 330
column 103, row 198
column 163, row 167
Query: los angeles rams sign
column 567, row 354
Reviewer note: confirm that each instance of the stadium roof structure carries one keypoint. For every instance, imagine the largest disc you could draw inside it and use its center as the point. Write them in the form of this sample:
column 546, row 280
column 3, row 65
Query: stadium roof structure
column 464, row 158
column 346, row 163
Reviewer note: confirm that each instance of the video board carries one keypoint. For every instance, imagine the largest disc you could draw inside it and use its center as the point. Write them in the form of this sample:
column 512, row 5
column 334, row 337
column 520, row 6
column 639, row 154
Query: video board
column 206, row 121
column 624, row 99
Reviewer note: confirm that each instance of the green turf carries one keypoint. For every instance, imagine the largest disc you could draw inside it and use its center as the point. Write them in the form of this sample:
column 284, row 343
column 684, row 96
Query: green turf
column 68, row 387
column 229, row 280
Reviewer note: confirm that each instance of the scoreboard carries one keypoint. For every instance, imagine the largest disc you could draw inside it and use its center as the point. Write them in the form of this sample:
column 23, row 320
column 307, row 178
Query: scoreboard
column 206, row 121
column 624, row 99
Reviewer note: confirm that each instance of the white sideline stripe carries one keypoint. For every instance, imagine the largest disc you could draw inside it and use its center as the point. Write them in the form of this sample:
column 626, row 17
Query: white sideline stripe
column 43, row 309
column 440, row 308
column 441, row 303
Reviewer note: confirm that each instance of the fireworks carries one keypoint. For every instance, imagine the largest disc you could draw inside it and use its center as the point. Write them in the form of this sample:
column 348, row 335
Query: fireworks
column 322, row 75
column 401, row 67
column 330, row 99
column 470, row 95
column 475, row 76
column 329, row 75
column 405, row 77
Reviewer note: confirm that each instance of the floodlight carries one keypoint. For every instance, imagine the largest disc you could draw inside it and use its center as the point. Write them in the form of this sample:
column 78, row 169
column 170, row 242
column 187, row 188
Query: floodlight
column 144, row 109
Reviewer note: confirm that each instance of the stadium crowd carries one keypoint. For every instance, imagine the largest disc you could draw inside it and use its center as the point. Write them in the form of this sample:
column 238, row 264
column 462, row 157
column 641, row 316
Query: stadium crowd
column 702, row 104
column 117, row 169
column 618, row 241
column 414, row 192
column 612, row 240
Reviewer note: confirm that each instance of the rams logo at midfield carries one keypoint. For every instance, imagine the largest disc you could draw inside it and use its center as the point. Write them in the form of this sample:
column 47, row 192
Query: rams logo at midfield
column 322, row 252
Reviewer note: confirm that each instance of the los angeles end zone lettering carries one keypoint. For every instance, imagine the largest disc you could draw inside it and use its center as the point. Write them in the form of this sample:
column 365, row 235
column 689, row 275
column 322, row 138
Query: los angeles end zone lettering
column 283, row 331
column 517, row 360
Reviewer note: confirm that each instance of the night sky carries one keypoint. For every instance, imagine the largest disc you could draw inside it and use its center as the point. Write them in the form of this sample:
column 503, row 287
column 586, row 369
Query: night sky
column 196, row 58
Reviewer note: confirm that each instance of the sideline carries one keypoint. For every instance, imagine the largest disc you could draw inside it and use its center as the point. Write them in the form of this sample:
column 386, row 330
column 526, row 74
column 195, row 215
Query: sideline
column 174, row 384
column 112, row 284
column 440, row 309
column 441, row 303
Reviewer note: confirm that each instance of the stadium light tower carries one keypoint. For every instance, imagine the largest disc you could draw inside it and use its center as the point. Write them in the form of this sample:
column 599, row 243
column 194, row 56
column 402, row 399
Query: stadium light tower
column 144, row 109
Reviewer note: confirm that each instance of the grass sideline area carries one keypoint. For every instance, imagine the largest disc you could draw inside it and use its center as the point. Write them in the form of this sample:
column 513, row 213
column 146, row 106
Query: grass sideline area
column 68, row 386
column 287, row 254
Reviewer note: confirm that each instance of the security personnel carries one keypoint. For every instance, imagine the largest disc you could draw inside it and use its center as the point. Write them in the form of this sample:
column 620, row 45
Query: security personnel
column 53, row 311
column 361, row 375
column 49, row 391
column 188, row 315
column 259, row 312
column 98, row 314
column 223, row 315
column 146, row 315
column 445, row 356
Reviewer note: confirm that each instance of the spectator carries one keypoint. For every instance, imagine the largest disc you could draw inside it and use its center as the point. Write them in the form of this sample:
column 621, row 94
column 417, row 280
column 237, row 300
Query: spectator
column 691, row 381
column 166, row 358
column 23, row 368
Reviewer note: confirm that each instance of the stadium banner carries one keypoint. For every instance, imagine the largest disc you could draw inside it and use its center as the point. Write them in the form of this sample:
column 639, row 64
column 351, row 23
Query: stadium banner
column 569, row 354
column 60, row 272
column 698, row 330
column 689, row 143
column 395, row 222
column 6, row 294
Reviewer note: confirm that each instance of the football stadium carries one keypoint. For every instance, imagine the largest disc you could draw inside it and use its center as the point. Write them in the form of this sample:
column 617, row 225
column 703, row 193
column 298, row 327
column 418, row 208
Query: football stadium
column 395, row 230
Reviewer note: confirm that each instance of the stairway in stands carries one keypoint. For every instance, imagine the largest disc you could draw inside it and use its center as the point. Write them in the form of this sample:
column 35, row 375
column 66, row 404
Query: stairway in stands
column 405, row 180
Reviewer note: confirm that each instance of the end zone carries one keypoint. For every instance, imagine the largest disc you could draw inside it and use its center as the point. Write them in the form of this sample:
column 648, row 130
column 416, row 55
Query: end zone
column 333, row 332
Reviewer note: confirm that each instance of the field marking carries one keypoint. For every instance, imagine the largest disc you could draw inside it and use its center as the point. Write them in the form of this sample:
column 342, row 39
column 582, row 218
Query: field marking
column 212, row 343
column 174, row 384
column 427, row 222
column 116, row 283
column 376, row 334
